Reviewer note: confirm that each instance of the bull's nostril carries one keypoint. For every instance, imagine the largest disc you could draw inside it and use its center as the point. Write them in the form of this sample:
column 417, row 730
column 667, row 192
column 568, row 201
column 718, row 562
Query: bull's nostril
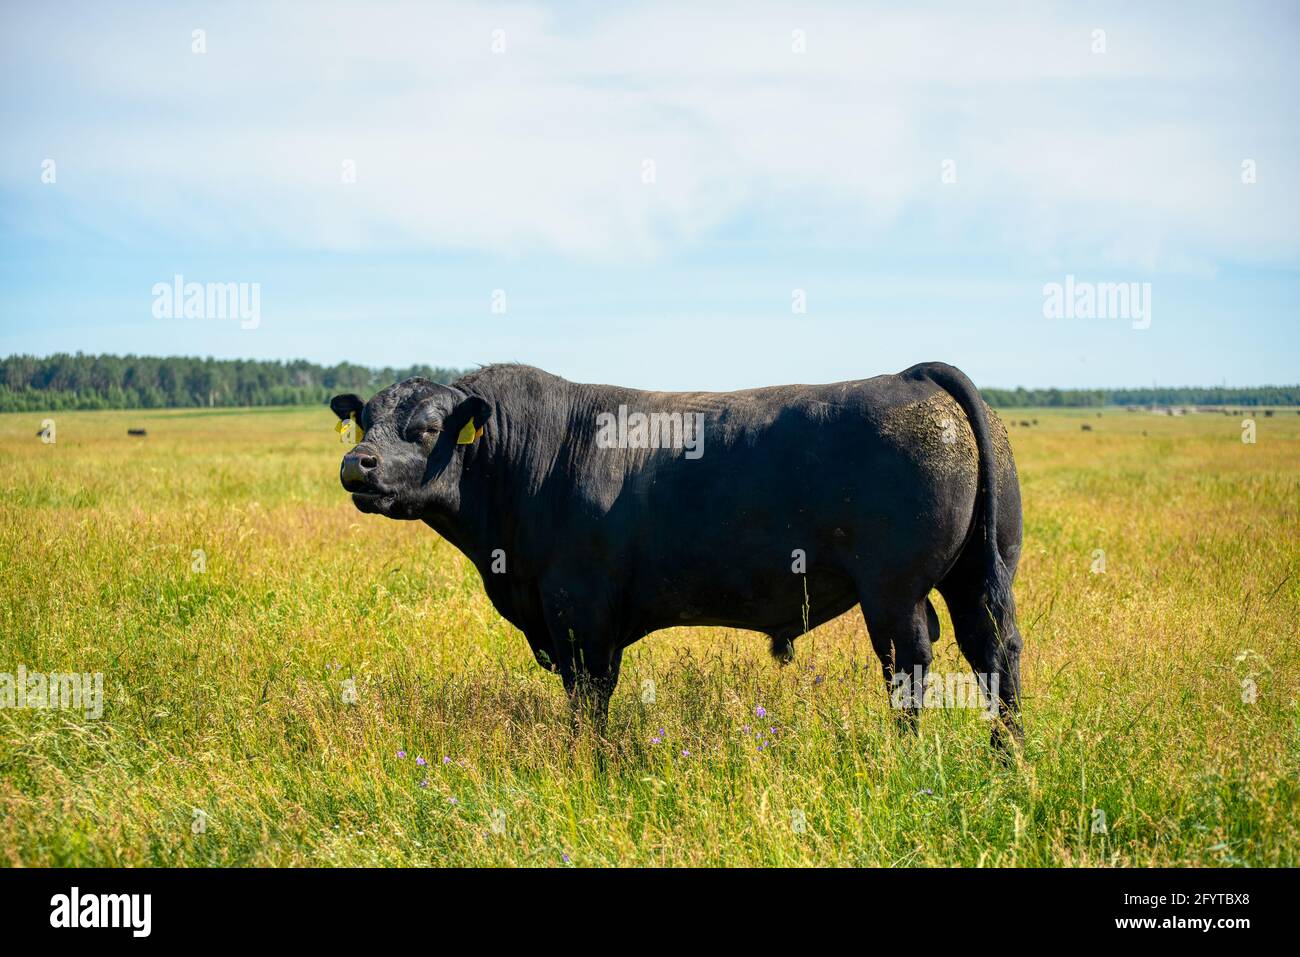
column 357, row 469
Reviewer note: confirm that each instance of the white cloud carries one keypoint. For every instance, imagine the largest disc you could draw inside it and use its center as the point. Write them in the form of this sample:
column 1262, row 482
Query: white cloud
column 1130, row 157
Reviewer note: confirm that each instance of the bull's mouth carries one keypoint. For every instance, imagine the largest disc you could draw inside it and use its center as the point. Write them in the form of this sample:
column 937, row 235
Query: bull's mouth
column 373, row 502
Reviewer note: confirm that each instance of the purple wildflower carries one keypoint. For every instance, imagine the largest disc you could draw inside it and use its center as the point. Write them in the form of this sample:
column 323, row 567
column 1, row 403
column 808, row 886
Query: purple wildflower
column 401, row 754
column 421, row 762
column 760, row 711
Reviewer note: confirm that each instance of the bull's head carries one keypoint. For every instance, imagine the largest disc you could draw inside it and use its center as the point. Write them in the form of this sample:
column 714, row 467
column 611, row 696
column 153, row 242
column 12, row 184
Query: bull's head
column 415, row 439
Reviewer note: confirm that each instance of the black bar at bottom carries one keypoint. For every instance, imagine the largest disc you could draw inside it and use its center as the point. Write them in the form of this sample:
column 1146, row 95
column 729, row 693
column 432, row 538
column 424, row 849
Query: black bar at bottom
column 335, row 906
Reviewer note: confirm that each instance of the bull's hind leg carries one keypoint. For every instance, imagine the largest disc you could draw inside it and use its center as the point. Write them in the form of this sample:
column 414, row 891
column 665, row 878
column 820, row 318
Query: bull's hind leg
column 904, row 637
column 990, row 642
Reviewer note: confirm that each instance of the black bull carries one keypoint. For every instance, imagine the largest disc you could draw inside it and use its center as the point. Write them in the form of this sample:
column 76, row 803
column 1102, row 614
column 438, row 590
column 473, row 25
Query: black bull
column 790, row 506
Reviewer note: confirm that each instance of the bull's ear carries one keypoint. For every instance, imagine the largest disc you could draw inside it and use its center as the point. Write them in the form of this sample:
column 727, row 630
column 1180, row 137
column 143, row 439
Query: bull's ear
column 345, row 405
column 466, row 421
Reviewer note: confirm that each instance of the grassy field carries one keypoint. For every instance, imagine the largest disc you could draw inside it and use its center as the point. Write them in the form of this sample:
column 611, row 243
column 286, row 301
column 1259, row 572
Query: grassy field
column 229, row 735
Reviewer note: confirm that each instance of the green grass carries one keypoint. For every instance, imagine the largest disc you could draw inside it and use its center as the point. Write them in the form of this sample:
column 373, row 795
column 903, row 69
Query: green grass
column 224, row 690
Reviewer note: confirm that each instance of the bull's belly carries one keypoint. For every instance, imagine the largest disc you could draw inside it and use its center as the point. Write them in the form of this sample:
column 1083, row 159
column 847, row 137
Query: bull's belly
column 770, row 620
column 785, row 605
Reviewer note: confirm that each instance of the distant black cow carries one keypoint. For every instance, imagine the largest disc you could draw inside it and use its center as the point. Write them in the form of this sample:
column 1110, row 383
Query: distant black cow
column 137, row 432
column 597, row 514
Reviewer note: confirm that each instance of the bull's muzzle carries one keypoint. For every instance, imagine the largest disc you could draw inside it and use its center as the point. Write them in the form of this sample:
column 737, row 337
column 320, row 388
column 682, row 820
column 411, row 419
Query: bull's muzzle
column 358, row 470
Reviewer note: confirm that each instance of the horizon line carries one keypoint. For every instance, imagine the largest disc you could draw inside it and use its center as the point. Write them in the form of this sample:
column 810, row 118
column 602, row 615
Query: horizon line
column 465, row 370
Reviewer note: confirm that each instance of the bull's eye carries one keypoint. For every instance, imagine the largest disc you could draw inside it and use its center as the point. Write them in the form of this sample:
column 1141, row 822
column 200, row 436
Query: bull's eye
column 423, row 426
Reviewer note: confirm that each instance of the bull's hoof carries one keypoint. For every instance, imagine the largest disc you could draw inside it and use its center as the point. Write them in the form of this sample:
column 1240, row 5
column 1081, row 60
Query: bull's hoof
column 782, row 650
column 1007, row 739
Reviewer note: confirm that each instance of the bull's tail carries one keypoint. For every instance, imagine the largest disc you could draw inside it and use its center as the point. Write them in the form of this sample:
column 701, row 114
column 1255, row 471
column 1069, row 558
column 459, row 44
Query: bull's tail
column 952, row 380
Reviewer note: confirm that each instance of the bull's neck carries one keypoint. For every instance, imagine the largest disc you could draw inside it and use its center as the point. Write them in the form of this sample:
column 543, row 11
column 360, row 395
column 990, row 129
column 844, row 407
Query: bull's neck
column 529, row 440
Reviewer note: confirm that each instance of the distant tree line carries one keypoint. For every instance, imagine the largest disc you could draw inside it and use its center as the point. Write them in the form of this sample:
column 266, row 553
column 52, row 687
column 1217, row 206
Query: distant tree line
column 62, row 381
column 1181, row 396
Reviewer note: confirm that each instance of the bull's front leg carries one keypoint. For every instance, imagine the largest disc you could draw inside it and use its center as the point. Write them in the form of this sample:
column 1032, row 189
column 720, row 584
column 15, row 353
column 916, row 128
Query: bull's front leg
column 539, row 641
column 584, row 656
column 590, row 691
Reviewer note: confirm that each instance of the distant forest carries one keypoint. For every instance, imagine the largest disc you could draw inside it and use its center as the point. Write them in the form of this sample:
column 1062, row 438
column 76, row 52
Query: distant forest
column 1156, row 395
column 62, row 381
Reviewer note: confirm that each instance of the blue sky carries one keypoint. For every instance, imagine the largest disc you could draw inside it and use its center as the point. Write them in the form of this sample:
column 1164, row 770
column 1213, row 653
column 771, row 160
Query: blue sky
column 523, row 169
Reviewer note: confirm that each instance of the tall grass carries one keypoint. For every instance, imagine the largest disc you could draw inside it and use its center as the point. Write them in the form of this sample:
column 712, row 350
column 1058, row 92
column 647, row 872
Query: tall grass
column 226, row 691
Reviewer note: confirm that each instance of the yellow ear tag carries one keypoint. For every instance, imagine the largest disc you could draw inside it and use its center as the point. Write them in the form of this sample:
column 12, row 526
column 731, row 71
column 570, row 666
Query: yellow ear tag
column 343, row 425
column 468, row 434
